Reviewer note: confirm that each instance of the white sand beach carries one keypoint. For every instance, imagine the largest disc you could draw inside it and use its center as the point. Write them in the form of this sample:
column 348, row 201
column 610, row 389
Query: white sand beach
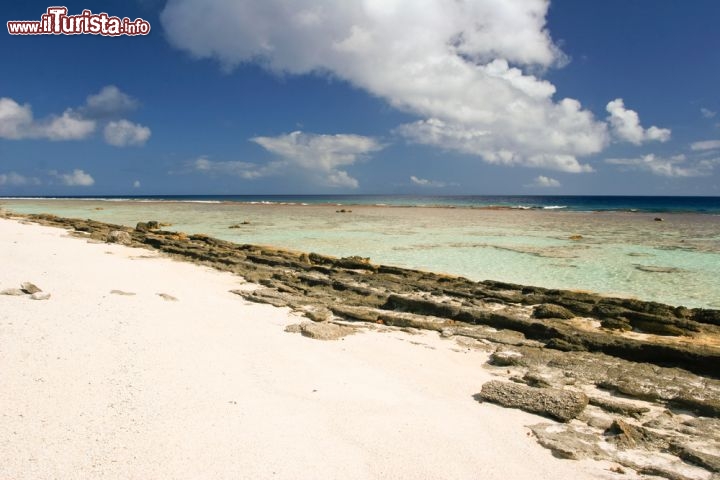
column 95, row 384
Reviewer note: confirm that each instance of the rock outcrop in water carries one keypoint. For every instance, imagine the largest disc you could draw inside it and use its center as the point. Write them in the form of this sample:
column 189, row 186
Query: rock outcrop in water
column 648, row 371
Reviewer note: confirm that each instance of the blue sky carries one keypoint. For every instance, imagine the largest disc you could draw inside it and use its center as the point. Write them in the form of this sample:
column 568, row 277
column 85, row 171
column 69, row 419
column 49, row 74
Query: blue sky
column 371, row 96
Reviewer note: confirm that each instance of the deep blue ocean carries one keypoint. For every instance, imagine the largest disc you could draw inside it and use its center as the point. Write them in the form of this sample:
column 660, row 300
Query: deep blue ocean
column 710, row 205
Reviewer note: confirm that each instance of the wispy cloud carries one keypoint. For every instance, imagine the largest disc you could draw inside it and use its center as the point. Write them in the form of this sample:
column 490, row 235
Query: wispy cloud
column 424, row 182
column 322, row 155
column 672, row 167
column 109, row 102
column 17, row 180
column 318, row 156
column 707, row 113
column 705, row 145
column 236, row 168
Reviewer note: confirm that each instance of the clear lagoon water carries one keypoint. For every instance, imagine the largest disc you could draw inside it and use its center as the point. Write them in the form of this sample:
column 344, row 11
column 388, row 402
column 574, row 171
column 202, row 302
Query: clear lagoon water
column 609, row 245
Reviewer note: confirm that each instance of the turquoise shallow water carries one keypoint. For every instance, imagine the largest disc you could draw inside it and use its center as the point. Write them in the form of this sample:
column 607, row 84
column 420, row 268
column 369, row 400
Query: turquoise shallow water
column 676, row 261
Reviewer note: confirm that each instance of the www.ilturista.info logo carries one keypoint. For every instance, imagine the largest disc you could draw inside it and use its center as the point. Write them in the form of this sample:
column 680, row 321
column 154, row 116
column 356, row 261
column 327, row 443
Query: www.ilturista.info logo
column 57, row 22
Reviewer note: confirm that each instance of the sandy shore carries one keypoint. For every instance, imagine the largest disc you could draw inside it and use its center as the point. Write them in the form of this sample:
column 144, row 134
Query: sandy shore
column 95, row 384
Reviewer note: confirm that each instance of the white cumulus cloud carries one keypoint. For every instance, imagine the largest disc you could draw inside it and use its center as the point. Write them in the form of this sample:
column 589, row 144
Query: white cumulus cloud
column 15, row 119
column 76, row 178
column 123, row 133
column 626, row 126
column 675, row 166
column 17, row 123
column 467, row 69
column 541, row 181
column 68, row 126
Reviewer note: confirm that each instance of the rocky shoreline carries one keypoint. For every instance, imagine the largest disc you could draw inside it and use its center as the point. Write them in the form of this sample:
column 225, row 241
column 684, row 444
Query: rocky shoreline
column 633, row 382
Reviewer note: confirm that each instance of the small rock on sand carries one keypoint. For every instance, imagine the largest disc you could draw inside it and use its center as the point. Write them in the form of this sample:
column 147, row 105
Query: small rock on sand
column 12, row 291
column 563, row 405
column 294, row 328
column 40, row 296
column 167, row 297
column 320, row 330
column 30, row 288
column 317, row 313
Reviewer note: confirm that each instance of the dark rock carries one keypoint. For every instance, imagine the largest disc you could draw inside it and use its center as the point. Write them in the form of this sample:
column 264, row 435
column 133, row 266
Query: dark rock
column 697, row 402
column 147, row 226
column 100, row 236
column 167, row 297
column 566, row 345
column 657, row 328
column 616, row 324
column 563, row 405
column 658, row 219
column 424, row 322
column 656, row 269
column 354, row 262
column 548, row 310
column 692, row 455
column 30, row 288
column 421, row 306
column 706, row 316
